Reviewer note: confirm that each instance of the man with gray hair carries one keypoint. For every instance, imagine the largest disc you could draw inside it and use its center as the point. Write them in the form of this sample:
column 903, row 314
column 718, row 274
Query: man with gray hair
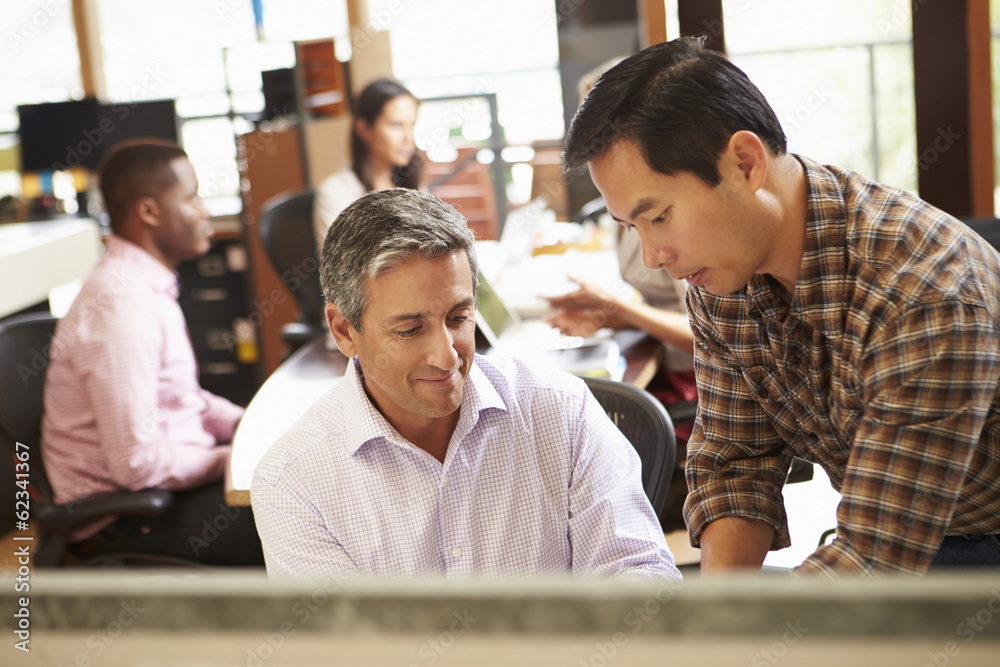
column 426, row 459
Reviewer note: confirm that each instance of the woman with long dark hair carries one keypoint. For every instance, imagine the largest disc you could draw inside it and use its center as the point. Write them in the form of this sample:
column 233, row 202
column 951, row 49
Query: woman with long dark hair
column 383, row 152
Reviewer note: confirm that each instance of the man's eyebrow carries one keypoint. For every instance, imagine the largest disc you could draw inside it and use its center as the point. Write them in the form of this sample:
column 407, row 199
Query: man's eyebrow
column 640, row 208
column 393, row 320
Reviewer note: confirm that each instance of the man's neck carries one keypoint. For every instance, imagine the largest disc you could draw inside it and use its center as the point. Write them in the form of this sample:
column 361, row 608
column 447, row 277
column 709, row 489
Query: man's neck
column 787, row 183
column 432, row 436
column 147, row 244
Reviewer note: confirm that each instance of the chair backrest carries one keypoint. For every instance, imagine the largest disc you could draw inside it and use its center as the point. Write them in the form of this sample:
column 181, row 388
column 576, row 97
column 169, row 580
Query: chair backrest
column 646, row 424
column 286, row 231
column 988, row 228
column 24, row 360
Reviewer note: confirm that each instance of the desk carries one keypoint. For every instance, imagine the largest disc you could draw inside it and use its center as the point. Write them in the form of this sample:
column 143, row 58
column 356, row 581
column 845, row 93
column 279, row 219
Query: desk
column 306, row 375
column 37, row 257
column 284, row 397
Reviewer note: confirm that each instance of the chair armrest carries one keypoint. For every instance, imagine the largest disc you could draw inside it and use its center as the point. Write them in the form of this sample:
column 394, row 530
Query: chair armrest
column 800, row 471
column 70, row 516
column 682, row 412
column 297, row 334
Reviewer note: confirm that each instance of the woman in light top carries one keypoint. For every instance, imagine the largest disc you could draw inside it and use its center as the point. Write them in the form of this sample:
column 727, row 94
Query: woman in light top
column 383, row 153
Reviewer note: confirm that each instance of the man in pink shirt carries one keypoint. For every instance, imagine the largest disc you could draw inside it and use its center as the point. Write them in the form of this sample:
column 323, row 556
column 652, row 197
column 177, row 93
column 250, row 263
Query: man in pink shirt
column 123, row 407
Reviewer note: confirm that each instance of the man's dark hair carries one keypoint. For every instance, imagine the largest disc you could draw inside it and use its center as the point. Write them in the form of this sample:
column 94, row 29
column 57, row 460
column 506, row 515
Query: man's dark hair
column 135, row 169
column 680, row 103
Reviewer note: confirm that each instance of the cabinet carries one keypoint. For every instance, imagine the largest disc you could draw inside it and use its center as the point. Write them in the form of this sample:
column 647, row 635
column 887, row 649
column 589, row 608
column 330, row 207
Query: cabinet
column 270, row 164
column 213, row 297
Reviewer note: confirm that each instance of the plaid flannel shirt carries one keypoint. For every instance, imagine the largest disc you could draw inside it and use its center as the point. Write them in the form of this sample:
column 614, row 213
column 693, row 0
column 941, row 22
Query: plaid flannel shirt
column 882, row 368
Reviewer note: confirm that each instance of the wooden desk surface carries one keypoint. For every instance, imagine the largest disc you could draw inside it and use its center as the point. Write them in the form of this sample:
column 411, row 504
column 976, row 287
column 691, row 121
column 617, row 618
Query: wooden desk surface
column 306, row 375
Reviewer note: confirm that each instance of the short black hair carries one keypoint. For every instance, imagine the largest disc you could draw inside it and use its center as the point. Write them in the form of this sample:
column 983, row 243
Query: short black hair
column 680, row 103
column 133, row 169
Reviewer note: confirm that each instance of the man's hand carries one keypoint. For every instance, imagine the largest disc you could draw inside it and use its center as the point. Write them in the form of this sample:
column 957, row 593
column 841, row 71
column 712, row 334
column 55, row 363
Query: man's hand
column 733, row 543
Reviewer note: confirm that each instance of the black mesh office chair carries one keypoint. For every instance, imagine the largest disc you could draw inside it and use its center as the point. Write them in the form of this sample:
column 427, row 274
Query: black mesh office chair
column 24, row 357
column 286, row 231
column 642, row 419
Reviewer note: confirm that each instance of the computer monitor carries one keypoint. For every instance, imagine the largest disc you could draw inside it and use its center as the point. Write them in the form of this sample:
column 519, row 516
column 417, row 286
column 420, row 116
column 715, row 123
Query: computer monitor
column 61, row 135
column 53, row 133
column 279, row 93
column 134, row 120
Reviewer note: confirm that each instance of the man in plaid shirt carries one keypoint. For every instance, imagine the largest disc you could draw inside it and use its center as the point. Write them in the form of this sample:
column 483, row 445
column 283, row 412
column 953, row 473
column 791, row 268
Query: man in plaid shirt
column 838, row 320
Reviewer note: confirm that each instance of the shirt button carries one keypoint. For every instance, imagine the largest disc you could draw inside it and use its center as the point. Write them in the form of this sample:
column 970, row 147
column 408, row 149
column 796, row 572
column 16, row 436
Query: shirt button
column 447, row 480
column 456, row 552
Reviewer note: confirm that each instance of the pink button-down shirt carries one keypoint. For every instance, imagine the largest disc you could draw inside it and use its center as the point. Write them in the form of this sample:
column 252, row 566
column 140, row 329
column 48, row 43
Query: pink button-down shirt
column 123, row 408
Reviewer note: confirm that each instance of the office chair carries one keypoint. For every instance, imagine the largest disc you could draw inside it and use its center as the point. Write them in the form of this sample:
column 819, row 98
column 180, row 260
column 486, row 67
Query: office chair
column 286, row 231
column 24, row 357
column 646, row 424
column 988, row 228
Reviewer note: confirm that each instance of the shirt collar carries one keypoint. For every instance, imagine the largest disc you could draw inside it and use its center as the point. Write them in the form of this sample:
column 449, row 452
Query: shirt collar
column 148, row 269
column 364, row 423
column 824, row 252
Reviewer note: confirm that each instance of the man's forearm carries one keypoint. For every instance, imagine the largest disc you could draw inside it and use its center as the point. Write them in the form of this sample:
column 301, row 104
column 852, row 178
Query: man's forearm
column 733, row 543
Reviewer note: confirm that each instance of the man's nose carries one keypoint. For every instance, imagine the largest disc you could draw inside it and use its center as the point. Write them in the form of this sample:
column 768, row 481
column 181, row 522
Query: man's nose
column 654, row 255
column 441, row 351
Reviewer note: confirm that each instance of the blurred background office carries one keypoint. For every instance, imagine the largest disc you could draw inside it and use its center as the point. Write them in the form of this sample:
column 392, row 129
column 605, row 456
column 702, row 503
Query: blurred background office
column 269, row 85
column 258, row 92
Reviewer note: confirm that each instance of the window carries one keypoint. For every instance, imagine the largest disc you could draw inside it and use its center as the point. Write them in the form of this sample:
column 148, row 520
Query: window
column 838, row 75
column 507, row 48
column 995, row 56
column 33, row 32
column 178, row 50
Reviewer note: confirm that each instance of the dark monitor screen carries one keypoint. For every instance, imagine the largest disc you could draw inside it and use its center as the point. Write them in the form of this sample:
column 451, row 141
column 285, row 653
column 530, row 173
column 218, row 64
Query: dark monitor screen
column 279, row 93
column 133, row 120
column 78, row 133
column 51, row 133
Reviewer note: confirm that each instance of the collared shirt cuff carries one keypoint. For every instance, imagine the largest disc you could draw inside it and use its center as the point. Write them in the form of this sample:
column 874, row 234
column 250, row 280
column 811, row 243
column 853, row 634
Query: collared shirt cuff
column 746, row 500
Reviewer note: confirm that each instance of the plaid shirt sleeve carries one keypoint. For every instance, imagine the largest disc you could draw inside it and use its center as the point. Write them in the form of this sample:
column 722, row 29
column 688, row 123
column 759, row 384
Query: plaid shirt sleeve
column 736, row 462
column 926, row 398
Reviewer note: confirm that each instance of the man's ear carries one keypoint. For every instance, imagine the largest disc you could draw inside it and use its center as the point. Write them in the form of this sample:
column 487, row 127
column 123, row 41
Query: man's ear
column 342, row 330
column 147, row 209
column 746, row 157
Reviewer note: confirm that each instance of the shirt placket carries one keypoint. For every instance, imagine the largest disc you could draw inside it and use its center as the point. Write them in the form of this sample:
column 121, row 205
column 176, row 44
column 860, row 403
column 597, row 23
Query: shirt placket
column 784, row 332
column 455, row 518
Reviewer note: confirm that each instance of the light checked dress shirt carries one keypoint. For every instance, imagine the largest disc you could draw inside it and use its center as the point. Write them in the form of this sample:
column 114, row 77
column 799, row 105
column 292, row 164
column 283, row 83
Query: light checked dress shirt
column 882, row 368
column 123, row 408
column 536, row 480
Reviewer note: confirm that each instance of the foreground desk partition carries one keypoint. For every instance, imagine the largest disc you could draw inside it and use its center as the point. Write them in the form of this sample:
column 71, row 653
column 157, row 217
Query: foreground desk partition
column 226, row 618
